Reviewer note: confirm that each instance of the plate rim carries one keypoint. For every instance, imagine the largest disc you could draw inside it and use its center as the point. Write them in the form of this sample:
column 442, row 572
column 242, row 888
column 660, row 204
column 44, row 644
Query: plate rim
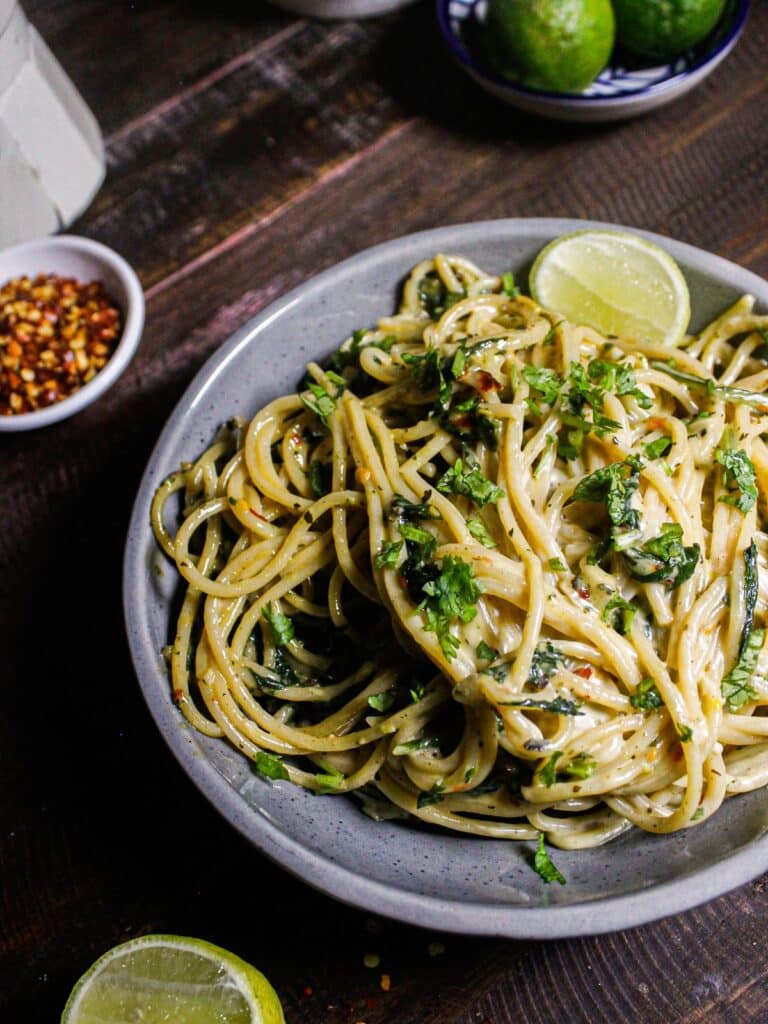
column 468, row 917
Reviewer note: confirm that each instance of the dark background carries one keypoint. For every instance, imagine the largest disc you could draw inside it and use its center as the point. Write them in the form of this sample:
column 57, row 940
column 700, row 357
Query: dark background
column 248, row 149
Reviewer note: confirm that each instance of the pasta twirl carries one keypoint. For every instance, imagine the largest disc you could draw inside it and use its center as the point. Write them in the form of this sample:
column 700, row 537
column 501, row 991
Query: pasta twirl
column 489, row 569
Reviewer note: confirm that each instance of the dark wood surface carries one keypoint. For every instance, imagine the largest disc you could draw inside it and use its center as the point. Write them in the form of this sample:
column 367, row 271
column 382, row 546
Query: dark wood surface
column 247, row 150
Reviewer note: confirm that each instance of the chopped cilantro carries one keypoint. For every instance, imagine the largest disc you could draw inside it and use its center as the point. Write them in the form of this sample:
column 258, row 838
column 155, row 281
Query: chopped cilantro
column 318, row 401
column 546, row 382
column 663, row 558
column 543, row 865
column 280, row 625
column 382, row 701
column 557, row 565
column 655, row 449
column 448, row 598
column 548, row 773
column 425, row 743
column 479, row 531
column 433, row 796
column 434, row 297
column 646, row 697
column 485, row 652
column 409, row 510
column 685, row 732
column 546, row 660
column 270, row 766
column 582, row 766
column 386, row 556
column 508, row 286
column 320, row 477
column 470, row 482
column 614, row 485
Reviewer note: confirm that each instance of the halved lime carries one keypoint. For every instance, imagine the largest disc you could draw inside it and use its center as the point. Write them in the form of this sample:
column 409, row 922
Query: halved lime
column 615, row 282
column 162, row 978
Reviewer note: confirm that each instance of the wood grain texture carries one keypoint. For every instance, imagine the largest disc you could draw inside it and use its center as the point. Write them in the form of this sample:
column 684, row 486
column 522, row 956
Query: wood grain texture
column 248, row 150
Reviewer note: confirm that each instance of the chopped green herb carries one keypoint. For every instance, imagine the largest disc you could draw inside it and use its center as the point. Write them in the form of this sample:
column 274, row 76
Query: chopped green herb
column 469, row 774
column 546, row 382
column 331, row 781
column 470, row 482
column 409, row 510
column 418, row 692
column 545, row 661
column 450, row 597
column 485, row 652
column 655, row 449
column 663, row 558
column 543, row 865
column 280, row 625
column 382, row 701
column 416, row 534
column 318, row 401
column 736, row 686
column 646, row 697
column 723, row 392
column 479, row 531
column 614, row 485
column 425, row 743
column 619, row 614
column 434, row 297
column 558, row 706
column 698, row 814
column 582, row 766
column 270, row 766
column 685, row 732
column 508, row 286
column 740, row 477
column 387, row 555
column 320, row 477
column 557, row 565
column 548, row 773
column 433, row 796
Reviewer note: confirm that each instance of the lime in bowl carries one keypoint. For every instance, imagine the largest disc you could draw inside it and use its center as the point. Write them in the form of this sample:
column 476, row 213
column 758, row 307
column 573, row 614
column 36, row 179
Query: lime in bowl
column 627, row 87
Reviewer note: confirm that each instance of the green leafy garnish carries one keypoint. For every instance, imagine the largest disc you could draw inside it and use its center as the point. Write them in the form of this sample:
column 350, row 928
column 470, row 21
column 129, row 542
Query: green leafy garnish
column 619, row 614
column 558, row 706
column 557, row 565
column 546, row 660
column 319, row 401
column 382, row 701
column 582, row 766
column 280, row 625
column 543, row 865
column 544, row 381
column 432, row 796
column 434, row 297
column 270, row 766
column 548, row 773
column 736, row 686
column 646, row 697
column 614, row 485
column 663, row 558
column 409, row 510
column 470, row 482
column 320, row 477
column 485, row 652
column 685, row 732
column 618, row 377
column 508, row 286
column 655, row 449
column 425, row 743
column 479, row 531
column 387, row 555
column 739, row 476
column 450, row 597
column 714, row 390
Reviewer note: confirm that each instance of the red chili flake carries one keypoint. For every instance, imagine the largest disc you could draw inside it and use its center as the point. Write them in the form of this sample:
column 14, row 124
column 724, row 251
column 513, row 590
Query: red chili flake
column 462, row 422
column 585, row 672
column 56, row 333
column 178, row 695
column 583, row 593
column 678, row 754
column 403, row 582
column 308, row 990
column 258, row 514
column 486, row 382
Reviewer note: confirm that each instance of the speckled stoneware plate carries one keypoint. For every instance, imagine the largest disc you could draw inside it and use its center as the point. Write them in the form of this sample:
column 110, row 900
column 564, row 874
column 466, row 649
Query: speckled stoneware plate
column 627, row 87
column 440, row 880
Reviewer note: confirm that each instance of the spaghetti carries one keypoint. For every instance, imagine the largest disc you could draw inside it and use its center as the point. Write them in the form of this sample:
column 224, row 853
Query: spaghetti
column 490, row 569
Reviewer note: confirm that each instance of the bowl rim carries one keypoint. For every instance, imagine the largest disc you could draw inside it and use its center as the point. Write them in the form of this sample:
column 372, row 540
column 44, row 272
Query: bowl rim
column 317, row 868
column 461, row 52
column 133, row 312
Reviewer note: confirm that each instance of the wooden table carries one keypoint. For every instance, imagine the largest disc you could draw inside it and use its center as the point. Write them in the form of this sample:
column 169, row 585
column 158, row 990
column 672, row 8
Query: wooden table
column 247, row 150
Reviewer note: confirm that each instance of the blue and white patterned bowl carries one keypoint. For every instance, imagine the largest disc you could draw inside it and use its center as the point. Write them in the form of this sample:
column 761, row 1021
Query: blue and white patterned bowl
column 626, row 88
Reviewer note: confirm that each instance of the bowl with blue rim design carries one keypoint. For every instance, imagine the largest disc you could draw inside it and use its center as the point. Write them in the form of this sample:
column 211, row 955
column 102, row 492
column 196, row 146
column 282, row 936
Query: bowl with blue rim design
column 627, row 87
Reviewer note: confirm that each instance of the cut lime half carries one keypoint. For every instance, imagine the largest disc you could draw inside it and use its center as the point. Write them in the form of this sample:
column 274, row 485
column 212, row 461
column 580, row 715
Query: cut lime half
column 162, row 978
column 616, row 282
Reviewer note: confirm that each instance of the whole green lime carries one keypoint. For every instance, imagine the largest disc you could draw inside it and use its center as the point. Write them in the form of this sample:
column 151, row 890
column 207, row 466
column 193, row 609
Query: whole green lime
column 556, row 45
column 664, row 29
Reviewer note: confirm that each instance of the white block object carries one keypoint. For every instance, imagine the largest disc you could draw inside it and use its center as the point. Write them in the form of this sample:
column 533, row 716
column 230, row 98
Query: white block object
column 51, row 150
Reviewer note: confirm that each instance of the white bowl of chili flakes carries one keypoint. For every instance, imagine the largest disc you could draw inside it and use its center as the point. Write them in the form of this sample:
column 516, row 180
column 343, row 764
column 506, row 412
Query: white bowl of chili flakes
column 71, row 318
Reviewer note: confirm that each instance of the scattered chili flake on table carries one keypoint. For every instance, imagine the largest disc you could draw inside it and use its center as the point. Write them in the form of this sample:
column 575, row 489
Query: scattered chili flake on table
column 56, row 333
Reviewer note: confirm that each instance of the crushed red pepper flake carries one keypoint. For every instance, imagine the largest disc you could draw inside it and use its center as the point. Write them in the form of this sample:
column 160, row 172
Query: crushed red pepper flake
column 56, row 333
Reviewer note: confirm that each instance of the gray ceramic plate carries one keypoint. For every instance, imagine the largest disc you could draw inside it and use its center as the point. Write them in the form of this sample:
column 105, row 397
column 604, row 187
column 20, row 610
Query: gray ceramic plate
column 444, row 881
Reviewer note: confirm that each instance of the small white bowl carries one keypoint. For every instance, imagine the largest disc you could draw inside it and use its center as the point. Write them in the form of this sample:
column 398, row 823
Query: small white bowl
column 85, row 260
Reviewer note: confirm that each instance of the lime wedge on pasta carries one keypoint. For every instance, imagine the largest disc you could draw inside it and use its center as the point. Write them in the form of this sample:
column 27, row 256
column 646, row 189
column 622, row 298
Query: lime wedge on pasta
column 169, row 978
column 615, row 282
